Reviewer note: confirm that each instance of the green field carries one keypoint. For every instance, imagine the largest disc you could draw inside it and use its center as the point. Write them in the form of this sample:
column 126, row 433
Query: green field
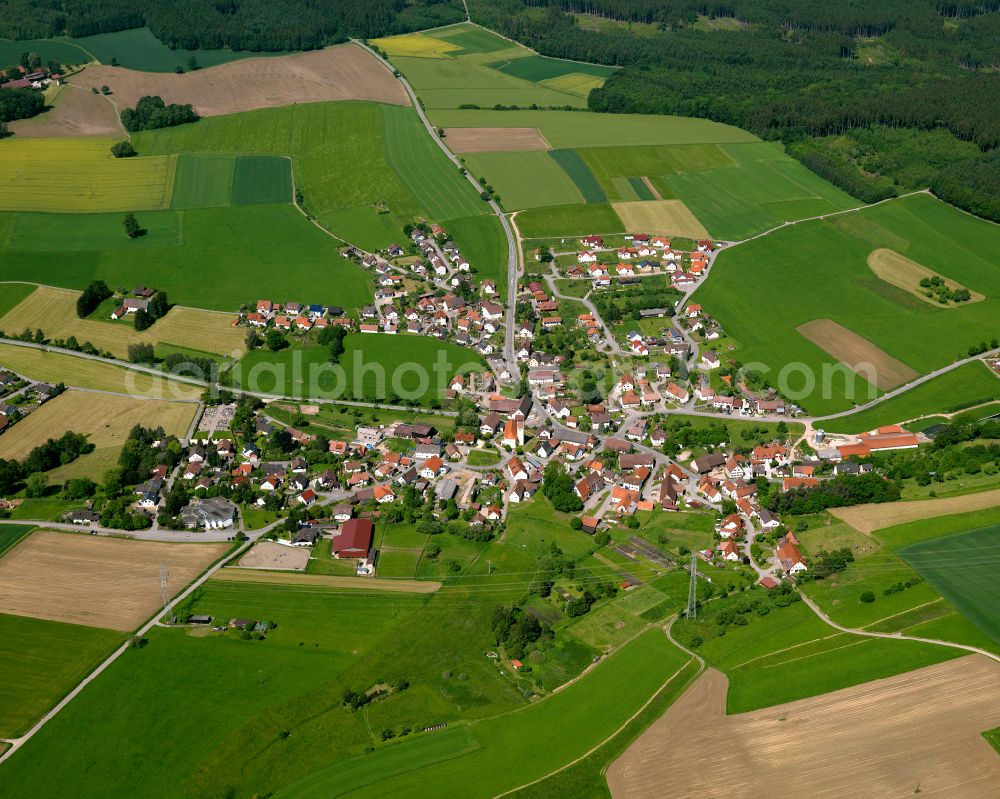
column 538, row 68
column 525, row 179
column 209, row 181
column 611, row 164
column 568, row 220
column 246, row 692
column 364, row 169
column 483, row 457
column 40, row 661
column 780, row 269
column 140, row 49
column 12, row 294
column 762, row 188
column 969, row 384
column 482, row 241
column 973, row 589
column 424, row 168
column 10, row 534
column 64, row 51
column 565, row 129
column 246, row 250
column 506, row 751
column 374, row 365
column 579, row 172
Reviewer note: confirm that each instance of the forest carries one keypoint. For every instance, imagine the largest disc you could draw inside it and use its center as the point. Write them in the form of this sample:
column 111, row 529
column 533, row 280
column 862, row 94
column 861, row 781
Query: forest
column 811, row 74
column 255, row 25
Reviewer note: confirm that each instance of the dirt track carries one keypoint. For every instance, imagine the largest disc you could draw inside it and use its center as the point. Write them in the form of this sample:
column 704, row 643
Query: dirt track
column 99, row 582
column 868, row 518
column 344, row 72
column 881, row 739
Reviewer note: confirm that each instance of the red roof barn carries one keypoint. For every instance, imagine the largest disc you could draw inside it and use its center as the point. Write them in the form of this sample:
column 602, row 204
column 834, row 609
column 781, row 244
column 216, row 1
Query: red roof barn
column 354, row 539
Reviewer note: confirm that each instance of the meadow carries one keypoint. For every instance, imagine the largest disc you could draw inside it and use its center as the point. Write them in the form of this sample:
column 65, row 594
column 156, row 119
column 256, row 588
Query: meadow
column 14, row 294
column 247, row 692
column 76, row 175
column 968, row 385
column 781, row 268
column 65, row 51
column 374, row 365
column 55, row 367
column 105, row 420
column 245, row 247
column 40, row 661
column 482, row 241
column 55, row 309
column 10, row 534
column 508, row 754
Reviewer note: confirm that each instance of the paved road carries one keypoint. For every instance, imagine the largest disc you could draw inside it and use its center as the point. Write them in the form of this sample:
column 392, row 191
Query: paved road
column 512, row 254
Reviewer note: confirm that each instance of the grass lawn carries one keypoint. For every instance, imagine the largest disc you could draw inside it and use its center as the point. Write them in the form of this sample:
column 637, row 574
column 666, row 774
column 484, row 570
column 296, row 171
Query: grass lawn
column 973, row 589
column 574, row 287
column 525, row 179
column 55, row 367
column 246, row 247
column 40, row 661
column 746, row 279
column 969, row 384
column 397, row 563
column 374, row 365
column 456, row 556
column 402, row 535
column 246, row 692
column 483, row 457
column 47, row 508
column 568, row 221
column 508, row 753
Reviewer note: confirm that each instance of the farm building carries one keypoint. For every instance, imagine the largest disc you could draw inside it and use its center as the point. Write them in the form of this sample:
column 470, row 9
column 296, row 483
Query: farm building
column 354, row 539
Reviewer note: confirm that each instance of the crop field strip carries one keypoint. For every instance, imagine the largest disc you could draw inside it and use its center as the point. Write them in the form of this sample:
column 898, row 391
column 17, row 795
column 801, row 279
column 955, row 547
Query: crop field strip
column 869, row 518
column 112, row 583
column 579, row 172
column 78, row 175
column 671, row 217
column 54, row 310
column 926, row 725
column 858, row 353
column 903, row 273
column 525, row 179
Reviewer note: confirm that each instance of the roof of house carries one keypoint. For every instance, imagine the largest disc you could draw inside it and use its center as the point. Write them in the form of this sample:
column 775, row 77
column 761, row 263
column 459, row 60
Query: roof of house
column 355, row 536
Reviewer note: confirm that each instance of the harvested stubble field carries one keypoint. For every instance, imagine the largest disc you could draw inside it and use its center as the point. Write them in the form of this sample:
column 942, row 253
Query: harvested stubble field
column 495, row 140
column 671, row 217
column 104, row 419
column 80, row 175
column 344, row 72
column 100, row 582
column 883, row 738
column 271, row 555
column 55, row 367
column 906, row 274
column 330, row 581
column 73, row 113
column 858, row 353
column 54, row 311
column 869, row 518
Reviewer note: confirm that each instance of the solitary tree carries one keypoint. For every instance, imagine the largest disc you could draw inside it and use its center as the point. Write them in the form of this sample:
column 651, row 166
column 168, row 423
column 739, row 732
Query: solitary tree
column 123, row 149
column 131, row 226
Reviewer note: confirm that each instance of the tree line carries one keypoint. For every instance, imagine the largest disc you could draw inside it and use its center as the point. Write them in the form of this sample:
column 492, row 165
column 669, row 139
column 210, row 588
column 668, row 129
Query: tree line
column 254, row 25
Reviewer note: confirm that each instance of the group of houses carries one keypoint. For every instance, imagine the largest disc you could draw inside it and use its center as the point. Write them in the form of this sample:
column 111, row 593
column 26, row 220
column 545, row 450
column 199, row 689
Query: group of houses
column 643, row 254
column 295, row 316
